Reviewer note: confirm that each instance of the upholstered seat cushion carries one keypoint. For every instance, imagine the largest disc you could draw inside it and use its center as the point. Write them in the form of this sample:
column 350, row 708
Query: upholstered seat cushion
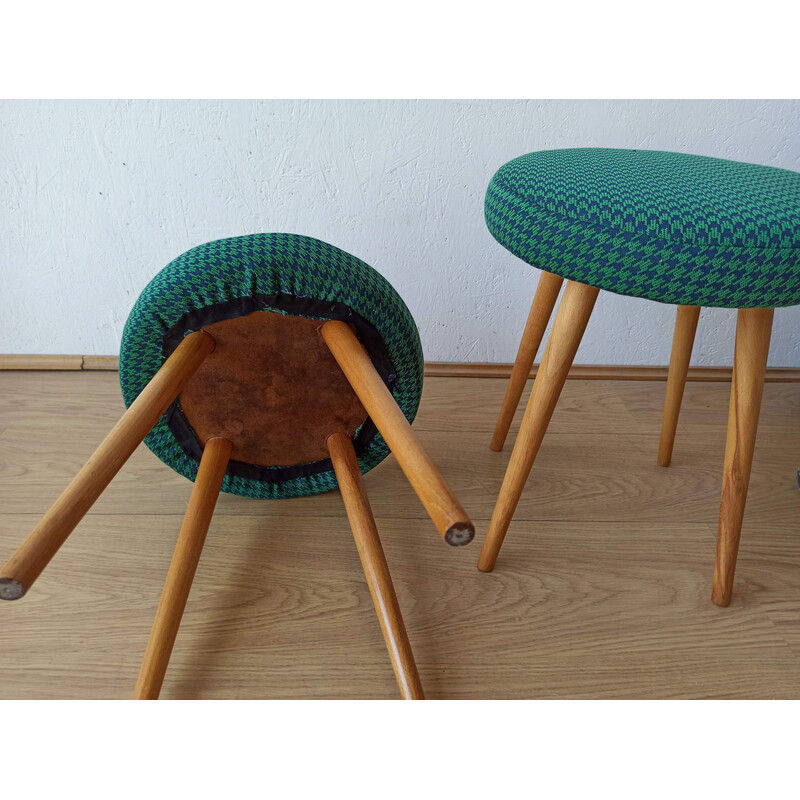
column 672, row 227
column 285, row 274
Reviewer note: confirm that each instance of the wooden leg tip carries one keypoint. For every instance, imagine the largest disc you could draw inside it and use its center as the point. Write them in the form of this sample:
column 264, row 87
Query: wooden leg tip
column 485, row 561
column 496, row 445
column 721, row 599
column 10, row 589
column 460, row 534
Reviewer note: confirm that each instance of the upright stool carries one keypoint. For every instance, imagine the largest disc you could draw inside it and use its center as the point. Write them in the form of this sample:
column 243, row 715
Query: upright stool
column 268, row 366
column 682, row 229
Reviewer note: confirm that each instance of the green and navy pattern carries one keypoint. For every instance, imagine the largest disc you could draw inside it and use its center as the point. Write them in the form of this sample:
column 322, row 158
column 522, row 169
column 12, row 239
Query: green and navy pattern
column 267, row 264
column 676, row 228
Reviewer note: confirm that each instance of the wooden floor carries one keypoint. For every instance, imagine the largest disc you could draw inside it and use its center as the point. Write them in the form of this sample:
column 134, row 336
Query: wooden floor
column 601, row 591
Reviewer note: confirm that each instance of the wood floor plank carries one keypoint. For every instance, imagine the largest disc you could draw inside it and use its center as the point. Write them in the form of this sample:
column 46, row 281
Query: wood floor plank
column 705, row 406
column 602, row 589
column 470, row 404
column 283, row 612
column 602, row 477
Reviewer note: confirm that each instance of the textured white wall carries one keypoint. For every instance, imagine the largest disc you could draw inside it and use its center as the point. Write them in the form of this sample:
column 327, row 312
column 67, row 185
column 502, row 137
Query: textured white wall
column 98, row 196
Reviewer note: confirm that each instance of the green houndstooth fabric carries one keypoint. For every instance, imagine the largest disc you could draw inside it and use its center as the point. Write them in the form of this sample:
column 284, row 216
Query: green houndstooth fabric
column 272, row 264
column 671, row 227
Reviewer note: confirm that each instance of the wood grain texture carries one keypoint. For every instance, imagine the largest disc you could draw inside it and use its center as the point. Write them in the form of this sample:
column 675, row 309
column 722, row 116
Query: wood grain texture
column 753, row 332
column 682, row 342
column 376, row 570
column 565, row 338
column 33, row 555
column 182, row 568
column 443, row 506
column 542, row 307
column 603, row 590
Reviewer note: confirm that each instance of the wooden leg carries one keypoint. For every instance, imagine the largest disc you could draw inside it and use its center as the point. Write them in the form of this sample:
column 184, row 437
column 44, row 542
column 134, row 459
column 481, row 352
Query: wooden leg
column 571, row 320
column 682, row 343
column 753, row 330
column 426, row 480
column 374, row 563
column 543, row 302
column 42, row 544
column 191, row 538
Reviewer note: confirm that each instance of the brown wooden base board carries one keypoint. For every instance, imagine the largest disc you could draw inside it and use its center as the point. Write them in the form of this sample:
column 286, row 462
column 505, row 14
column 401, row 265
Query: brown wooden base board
column 58, row 362
column 40, row 362
column 603, row 372
column 444, row 369
column 100, row 362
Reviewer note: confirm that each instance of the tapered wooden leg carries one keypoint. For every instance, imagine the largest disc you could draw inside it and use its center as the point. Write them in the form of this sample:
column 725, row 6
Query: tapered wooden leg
column 753, row 331
column 570, row 323
column 446, row 512
column 541, row 309
column 374, row 563
column 42, row 544
column 682, row 343
column 191, row 538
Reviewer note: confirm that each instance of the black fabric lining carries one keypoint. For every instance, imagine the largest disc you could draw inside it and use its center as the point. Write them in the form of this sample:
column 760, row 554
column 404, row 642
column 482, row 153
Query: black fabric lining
column 298, row 306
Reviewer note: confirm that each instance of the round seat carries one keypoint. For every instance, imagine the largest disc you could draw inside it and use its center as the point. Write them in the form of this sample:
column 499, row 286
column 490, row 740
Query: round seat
column 271, row 386
column 671, row 227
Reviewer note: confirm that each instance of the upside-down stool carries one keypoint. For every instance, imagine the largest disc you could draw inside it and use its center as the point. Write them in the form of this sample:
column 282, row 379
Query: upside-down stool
column 269, row 366
column 683, row 229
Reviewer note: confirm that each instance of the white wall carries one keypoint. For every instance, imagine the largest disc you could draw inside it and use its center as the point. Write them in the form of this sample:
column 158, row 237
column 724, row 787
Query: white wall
column 98, row 196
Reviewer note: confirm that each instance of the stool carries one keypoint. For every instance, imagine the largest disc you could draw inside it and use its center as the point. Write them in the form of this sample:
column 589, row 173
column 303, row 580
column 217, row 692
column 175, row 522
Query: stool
column 269, row 366
column 683, row 229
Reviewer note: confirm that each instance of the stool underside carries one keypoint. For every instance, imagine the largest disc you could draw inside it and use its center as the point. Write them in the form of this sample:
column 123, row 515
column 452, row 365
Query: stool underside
column 273, row 389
